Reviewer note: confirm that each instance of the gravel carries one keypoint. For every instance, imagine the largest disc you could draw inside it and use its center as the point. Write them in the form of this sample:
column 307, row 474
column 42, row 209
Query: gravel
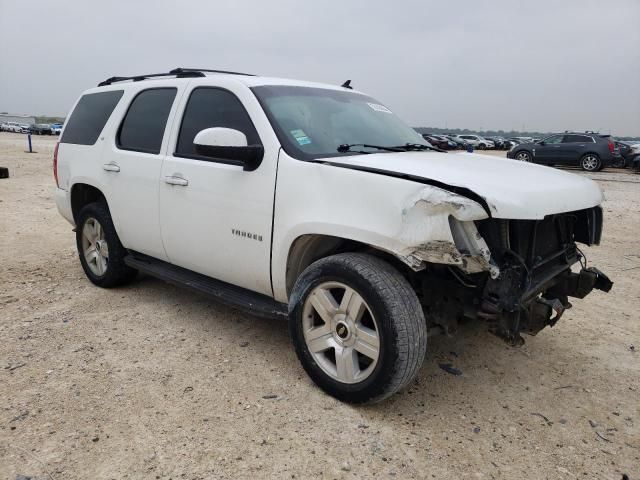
column 158, row 375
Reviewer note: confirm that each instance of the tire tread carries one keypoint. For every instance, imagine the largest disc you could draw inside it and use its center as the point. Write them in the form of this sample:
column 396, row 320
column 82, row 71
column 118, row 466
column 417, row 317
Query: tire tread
column 405, row 310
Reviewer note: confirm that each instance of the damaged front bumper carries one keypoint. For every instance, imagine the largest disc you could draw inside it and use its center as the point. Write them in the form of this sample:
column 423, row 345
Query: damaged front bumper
column 514, row 274
column 509, row 313
column 536, row 280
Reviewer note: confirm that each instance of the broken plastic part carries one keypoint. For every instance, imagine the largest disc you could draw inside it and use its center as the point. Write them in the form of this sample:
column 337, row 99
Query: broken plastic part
column 438, row 227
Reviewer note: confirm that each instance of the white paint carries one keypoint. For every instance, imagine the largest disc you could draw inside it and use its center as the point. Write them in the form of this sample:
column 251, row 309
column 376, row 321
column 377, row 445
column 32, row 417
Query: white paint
column 512, row 189
column 220, row 137
column 219, row 222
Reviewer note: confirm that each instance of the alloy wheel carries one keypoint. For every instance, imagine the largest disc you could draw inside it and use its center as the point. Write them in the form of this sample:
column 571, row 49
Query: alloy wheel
column 95, row 247
column 590, row 163
column 340, row 332
column 523, row 157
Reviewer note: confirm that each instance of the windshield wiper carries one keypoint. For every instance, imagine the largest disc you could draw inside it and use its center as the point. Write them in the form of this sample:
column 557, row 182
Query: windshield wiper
column 346, row 147
column 413, row 147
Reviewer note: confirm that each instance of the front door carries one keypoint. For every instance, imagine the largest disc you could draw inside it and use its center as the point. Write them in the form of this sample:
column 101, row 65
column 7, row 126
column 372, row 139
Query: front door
column 216, row 218
column 548, row 151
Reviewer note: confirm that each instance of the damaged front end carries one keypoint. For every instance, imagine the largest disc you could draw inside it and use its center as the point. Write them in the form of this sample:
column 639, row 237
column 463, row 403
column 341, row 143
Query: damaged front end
column 535, row 259
column 514, row 274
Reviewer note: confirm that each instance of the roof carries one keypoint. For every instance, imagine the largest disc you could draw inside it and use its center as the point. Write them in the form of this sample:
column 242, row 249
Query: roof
column 247, row 79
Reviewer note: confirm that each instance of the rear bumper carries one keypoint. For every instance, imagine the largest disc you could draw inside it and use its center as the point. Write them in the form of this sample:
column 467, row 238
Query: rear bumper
column 63, row 202
column 611, row 159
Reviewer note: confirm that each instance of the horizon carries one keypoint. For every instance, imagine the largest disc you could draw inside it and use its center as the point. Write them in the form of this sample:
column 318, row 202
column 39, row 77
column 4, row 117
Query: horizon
column 509, row 66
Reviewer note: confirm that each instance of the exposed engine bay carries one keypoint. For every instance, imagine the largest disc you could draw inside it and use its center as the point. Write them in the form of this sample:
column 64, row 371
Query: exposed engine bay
column 529, row 288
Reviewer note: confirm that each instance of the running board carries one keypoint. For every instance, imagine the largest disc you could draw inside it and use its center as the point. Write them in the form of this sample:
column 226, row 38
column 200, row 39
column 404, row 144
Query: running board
column 231, row 295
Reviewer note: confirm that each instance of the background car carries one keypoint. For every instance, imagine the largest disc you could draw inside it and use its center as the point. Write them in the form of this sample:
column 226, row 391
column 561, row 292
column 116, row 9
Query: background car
column 461, row 144
column 477, row 141
column 499, row 142
column 11, row 127
column 590, row 151
column 24, row 128
column 40, row 129
column 56, row 128
column 628, row 152
column 439, row 141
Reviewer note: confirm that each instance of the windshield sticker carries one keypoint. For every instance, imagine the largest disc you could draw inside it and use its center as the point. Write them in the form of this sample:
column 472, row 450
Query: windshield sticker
column 379, row 108
column 301, row 137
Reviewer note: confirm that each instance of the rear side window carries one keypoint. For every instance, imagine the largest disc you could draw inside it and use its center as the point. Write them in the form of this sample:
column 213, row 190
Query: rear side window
column 576, row 139
column 90, row 116
column 143, row 126
column 212, row 107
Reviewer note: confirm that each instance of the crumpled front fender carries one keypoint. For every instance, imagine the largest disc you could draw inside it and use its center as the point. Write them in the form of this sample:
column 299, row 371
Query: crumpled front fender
column 438, row 227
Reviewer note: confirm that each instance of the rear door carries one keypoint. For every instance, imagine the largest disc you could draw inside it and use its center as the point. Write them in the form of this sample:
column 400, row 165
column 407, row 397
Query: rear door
column 574, row 146
column 131, row 165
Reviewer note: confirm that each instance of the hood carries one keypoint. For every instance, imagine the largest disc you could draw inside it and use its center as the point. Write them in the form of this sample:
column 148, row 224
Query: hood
column 512, row 189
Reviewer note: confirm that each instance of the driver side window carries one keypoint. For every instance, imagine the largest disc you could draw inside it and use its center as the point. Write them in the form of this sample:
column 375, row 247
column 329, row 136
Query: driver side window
column 554, row 139
column 212, row 107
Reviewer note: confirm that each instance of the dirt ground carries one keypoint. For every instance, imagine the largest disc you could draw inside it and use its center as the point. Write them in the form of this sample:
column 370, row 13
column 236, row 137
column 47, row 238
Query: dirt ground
column 150, row 381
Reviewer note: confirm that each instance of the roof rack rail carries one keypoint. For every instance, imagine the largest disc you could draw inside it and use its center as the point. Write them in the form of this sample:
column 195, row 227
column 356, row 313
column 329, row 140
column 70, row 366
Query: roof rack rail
column 181, row 70
column 137, row 78
column 178, row 72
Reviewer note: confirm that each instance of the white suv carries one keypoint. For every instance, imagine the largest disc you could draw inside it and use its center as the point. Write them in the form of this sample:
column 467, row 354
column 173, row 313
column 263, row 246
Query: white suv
column 315, row 202
column 11, row 127
column 477, row 141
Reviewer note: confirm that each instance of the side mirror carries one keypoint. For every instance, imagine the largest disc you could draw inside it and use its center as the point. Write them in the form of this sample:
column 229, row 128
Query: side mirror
column 542, row 142
column 228, row 144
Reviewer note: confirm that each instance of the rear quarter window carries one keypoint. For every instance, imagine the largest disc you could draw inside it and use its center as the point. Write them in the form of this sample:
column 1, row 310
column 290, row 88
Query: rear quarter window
column 90, row 116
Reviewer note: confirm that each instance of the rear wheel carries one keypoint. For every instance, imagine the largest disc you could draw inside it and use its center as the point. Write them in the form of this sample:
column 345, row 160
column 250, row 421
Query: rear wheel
column 99, row 248
column 591, row 162
column 357, row 327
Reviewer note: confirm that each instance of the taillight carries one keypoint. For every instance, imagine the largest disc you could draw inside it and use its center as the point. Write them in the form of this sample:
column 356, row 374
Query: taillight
column 612, row 147
column 55, row 163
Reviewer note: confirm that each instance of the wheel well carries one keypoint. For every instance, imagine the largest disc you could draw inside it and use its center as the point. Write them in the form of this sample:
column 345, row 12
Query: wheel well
column 306, row 249
column 83, row 194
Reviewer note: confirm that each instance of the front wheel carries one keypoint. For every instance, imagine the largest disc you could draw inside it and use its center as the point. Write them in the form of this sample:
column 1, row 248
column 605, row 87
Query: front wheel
column 357, row 327
column 523, row 156
column 591, row 162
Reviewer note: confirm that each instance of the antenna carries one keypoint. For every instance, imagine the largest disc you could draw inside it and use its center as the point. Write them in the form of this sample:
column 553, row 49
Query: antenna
column 347, row 84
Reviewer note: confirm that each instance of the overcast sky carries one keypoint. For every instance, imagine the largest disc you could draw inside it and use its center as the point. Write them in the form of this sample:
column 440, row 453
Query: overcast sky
column 534, row 65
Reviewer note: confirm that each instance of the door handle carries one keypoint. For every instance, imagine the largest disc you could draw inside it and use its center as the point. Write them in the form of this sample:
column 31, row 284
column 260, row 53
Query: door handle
column 111, row 167
column 173, row 180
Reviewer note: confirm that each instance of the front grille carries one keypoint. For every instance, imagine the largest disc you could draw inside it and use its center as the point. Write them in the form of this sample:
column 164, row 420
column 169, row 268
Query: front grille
column 544, row 242
column 544, row 248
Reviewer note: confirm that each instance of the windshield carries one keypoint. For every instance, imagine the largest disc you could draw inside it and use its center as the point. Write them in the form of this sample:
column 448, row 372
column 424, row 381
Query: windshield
column 314, row 122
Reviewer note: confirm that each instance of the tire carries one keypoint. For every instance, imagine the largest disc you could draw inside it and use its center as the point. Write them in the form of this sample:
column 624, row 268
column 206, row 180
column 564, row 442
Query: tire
column 102, row 270
column 590, row 162
column 523, row 156
column 391, row 313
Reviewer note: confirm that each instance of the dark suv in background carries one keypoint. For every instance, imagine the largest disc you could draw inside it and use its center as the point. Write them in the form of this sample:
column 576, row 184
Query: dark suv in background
column 590, row 151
